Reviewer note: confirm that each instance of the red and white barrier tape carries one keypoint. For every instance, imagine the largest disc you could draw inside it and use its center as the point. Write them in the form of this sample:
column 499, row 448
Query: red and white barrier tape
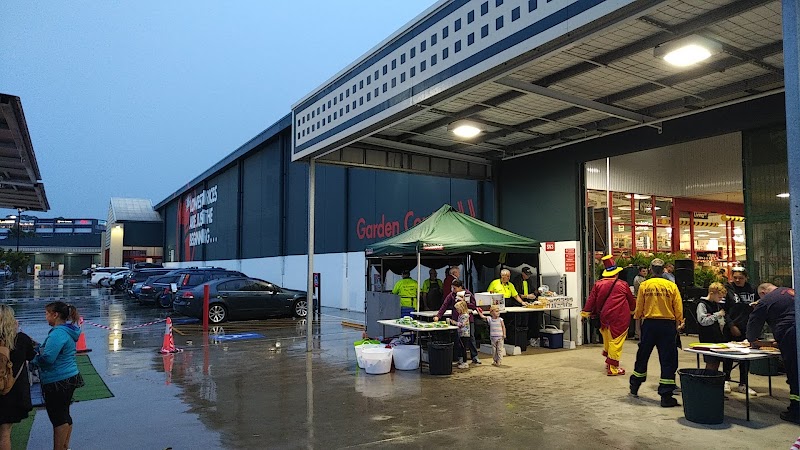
column 106, row 327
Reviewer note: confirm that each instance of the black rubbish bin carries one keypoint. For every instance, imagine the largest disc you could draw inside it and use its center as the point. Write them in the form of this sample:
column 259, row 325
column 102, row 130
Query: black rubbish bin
column 703, row 395
column 521, row 338
column 440, row 358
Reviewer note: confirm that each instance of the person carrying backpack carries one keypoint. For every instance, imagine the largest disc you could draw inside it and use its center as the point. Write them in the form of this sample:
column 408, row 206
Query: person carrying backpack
column 15, row 403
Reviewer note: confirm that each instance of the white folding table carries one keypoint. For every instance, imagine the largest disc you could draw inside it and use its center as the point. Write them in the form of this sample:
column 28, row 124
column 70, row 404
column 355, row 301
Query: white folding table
column 509, row 310
column 417, row 330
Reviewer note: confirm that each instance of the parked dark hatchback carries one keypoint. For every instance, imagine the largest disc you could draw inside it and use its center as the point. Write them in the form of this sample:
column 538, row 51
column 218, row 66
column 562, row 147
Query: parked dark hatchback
column 139, row 276
column 156, row 289
column 241, row 298
column 186, row 278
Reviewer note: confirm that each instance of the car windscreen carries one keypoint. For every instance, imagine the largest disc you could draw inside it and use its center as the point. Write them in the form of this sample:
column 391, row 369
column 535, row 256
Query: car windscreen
column 165, row 279
column 143, row 275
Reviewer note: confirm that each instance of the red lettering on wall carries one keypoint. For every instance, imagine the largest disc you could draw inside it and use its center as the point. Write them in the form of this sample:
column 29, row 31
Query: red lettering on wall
column 385, row 229
column 409, row 214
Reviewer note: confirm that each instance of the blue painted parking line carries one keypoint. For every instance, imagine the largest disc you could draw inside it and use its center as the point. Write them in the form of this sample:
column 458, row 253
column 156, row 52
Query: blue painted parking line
column 236, row 337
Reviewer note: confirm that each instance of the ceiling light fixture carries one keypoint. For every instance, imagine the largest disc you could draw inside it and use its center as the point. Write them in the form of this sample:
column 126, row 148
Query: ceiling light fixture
column 687, row 51
column 783, row 195
column 637, row 196
column 465, row 129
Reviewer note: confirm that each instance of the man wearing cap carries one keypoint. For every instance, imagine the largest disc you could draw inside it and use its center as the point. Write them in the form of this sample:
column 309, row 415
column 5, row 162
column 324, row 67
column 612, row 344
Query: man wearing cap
column 406, row 289
column 459, row 293
column 776, row 308
column 524, row 284
column 660, row 306
column 612, row 301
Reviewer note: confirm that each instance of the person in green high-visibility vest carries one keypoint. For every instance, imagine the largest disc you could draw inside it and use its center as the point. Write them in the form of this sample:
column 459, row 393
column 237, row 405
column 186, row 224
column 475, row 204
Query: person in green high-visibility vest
column 406, row 289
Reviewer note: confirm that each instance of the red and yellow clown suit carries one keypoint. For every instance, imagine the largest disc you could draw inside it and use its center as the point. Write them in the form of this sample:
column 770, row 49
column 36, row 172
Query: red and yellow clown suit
column 611, row 299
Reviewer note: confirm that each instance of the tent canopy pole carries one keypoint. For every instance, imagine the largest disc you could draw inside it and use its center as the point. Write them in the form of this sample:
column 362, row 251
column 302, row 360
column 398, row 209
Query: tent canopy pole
column 419, row 275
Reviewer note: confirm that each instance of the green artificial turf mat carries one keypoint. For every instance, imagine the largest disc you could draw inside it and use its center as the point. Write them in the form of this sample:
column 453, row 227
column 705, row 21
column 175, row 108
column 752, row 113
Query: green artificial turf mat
column 95, row 387
column 20, row 432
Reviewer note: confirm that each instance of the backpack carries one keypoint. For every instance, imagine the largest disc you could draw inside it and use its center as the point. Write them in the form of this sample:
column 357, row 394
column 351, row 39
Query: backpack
column 7, row 377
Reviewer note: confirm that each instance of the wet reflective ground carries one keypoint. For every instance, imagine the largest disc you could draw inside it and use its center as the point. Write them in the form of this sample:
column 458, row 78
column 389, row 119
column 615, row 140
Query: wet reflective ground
column 268, row 392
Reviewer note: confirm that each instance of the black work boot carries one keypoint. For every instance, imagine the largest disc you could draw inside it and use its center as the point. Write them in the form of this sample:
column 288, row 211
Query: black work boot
column 668, row 401
column 792, row 413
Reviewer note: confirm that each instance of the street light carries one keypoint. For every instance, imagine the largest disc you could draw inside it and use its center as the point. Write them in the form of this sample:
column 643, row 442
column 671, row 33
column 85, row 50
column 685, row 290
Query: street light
column 19, row 231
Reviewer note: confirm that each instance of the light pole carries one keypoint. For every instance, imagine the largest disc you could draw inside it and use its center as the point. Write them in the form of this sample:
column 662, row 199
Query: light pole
column 19, row 231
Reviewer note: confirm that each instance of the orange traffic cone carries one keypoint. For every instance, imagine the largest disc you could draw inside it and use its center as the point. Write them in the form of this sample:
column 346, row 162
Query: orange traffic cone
column 169, row 344
column 81, row 346
column 168, row 360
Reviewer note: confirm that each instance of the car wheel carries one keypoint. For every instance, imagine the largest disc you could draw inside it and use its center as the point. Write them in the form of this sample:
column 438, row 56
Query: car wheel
column 217, row 313
column 164, row 301
column 300, row 308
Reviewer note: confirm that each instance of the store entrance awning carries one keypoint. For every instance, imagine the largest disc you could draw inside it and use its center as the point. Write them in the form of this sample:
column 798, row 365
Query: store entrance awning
column 20, row 180
column 534, row 76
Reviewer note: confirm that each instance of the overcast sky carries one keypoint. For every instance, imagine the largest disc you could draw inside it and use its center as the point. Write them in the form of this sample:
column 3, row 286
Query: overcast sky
column 134, row 99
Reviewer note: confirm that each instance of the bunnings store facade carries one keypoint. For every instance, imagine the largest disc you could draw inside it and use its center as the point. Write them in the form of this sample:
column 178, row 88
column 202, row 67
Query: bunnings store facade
column 623, row 126
column 250, row 212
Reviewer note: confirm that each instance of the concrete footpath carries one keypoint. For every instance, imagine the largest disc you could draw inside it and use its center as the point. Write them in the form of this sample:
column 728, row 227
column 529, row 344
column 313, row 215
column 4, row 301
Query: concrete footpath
column 267, row 392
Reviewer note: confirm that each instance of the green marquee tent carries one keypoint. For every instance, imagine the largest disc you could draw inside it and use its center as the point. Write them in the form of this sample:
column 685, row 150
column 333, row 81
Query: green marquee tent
column 449, row 232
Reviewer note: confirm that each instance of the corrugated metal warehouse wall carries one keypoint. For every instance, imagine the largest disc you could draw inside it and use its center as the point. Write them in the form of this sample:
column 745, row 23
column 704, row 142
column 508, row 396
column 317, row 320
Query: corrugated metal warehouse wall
column 256, row 207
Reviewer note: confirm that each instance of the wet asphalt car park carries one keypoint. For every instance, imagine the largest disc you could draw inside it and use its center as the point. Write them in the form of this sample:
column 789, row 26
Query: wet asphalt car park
column 252, row 385
column 183, row 400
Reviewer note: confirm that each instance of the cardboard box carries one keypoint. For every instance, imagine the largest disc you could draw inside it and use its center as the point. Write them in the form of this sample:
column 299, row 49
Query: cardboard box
column 486, row 300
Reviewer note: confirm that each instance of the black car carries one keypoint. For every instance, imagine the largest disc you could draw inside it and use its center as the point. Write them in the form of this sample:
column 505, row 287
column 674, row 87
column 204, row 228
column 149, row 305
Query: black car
column 186, row 278
column 156, row 289
column 138, row 276
column 241, row 298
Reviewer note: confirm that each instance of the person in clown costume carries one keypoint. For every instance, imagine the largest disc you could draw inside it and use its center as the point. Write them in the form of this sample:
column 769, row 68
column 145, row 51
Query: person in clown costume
column 612, row 302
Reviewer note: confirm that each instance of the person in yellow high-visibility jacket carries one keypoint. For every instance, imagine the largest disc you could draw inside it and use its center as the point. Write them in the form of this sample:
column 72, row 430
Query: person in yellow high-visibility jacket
column 406, row 289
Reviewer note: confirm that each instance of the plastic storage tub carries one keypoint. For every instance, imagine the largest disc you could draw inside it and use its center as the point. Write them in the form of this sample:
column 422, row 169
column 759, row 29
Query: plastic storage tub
column 360, row 349
column 552, row 337
column 406, row 357
column 377, row 360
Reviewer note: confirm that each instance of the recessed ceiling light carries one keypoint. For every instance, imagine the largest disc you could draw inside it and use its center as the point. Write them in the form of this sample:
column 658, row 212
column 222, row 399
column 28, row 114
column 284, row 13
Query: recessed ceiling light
column 687, row 51
column 465, row 129
column 783, row 195
column 637, row 196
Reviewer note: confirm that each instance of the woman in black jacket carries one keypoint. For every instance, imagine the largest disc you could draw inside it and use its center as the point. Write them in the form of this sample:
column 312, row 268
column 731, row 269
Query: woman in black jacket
column 14, row 406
